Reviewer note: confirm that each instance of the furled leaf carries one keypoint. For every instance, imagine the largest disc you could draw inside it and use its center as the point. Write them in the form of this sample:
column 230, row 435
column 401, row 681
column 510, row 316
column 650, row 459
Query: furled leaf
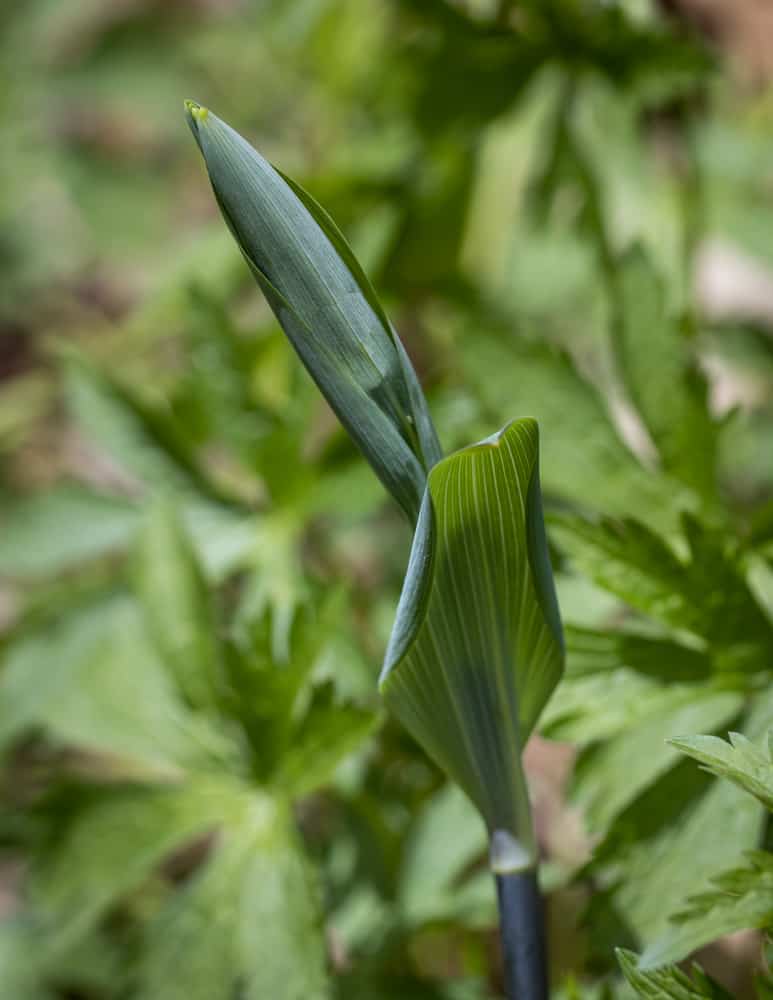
column 739, row 899
column 270, row 945
column 477, row 648
column 748, row 764
column 177, row 605
column 669, row 984
column 326, row 306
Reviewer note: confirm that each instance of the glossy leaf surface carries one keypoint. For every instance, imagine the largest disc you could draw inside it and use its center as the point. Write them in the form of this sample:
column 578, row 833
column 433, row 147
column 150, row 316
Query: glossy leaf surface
column 325, row 305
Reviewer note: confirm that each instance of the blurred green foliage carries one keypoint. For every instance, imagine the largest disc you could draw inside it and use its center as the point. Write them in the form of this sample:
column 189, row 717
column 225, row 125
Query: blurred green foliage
column 567, row 205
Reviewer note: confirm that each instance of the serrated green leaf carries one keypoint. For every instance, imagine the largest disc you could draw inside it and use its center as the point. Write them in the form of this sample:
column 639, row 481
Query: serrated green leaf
column 176, row 604
column 96, row 682
column 111, row 846
column 664, row 382
column 477, row 649
column 739, row 899
column 747, row 764
column 600, row 705
column 280, row 935
column 149, row 455
column 326, row 307
column 268, row 695
column 112, row 416
column 593, row 651
column 628, row 559
column 613, row 775
column 685, row 848
column 705, row 593
column 583, row 459
column 669, row 984
column 59, row 529
column 329, row 731
column 210, row 922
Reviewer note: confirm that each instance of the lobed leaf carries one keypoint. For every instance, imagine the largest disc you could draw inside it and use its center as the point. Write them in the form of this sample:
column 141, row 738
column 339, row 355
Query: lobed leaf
column 55, row 531
column 247, row 922
column 477, row 647
column 96, row 682
column 739, row 899
column 687, row 833
column 748, row 765
column 329, row 731
column 705, row 592
column 669, row 984
column 665, row 384
column 596, row 651
column 177, row 607
column 110, row 846
column 614, row 774
column 602, row 474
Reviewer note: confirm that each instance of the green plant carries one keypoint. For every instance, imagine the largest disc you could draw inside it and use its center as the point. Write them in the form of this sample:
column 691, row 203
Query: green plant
column 739, row 898
column 477, row 646
column 532, row 188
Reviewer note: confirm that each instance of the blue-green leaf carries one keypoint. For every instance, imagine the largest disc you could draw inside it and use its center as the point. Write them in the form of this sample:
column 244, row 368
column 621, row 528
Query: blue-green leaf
column 326, row 307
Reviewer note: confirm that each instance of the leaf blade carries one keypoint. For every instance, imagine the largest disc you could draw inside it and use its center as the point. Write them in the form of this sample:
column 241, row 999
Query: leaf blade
column 478, row 646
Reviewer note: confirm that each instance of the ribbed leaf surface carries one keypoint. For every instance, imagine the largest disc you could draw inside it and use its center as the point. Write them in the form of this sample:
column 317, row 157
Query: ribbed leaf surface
column 477, row 646
column 326, row 306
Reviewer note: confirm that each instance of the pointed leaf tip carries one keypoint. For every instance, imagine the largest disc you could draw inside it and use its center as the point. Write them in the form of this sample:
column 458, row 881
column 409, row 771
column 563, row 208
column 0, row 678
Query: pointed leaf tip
column 325, row 305
column 195, row 110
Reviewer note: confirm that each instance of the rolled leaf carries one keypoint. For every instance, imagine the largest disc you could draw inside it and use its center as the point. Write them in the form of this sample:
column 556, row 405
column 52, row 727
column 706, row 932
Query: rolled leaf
column 477, row 646
column 326, row 306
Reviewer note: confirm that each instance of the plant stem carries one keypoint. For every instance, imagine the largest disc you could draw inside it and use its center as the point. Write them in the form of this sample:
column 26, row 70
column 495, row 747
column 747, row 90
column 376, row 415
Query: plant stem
column 522, row 931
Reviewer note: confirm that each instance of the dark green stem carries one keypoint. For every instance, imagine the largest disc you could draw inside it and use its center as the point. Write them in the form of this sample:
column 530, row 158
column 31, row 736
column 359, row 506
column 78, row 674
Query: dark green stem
column 522, row 929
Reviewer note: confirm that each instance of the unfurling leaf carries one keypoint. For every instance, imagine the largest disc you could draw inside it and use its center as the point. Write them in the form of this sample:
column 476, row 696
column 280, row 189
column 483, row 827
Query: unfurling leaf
column 326, row 306
column 477, row 646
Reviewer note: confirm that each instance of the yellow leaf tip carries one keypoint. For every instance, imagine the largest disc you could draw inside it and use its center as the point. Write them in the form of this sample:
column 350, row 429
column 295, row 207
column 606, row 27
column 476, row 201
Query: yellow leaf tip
column 196, row 111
